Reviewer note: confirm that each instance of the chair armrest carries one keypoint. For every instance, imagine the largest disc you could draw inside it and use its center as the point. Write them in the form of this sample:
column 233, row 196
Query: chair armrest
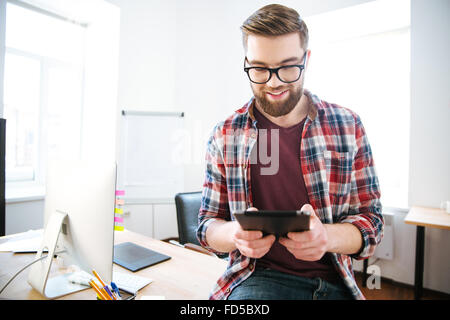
column 197, row 248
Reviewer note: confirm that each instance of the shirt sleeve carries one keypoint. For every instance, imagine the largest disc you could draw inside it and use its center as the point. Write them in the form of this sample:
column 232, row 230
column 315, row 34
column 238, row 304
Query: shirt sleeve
column 365, row 211
column 214, row 204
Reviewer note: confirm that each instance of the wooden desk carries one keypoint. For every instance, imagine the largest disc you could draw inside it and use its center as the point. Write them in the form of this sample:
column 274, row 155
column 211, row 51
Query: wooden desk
column 424, row 217
column 188, row 275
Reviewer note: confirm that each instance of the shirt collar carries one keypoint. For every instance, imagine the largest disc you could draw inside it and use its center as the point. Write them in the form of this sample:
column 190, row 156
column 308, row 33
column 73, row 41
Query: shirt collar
column 313, row 104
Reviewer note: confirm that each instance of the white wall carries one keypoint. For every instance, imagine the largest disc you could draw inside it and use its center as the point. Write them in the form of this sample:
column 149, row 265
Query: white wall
column 147, row 54
column 24, row 216
column 429, row 182
column 429, row 178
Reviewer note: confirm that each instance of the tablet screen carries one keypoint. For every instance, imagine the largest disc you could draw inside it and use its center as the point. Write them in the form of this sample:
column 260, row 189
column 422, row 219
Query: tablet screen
column 274, row 222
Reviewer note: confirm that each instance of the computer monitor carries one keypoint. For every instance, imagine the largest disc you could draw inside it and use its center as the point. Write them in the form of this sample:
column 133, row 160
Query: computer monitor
column 79, row 220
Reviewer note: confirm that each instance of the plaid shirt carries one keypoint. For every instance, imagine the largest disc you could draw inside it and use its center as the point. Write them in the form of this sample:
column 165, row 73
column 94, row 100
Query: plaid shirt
column 338, row 170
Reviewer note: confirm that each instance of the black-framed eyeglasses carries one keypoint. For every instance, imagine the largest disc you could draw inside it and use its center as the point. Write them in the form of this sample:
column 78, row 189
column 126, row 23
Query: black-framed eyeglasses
column 286, row 74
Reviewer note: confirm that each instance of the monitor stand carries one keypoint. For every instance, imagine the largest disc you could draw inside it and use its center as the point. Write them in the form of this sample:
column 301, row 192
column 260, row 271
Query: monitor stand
column 38, row 278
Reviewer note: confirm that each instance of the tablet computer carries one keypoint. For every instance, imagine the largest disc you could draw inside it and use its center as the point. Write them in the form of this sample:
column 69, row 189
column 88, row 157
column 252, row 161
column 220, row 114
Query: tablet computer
column 274, row 222
column 134, row 257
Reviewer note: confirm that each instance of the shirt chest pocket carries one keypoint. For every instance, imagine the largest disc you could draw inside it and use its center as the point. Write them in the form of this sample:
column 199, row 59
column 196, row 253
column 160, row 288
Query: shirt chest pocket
column 339, row 172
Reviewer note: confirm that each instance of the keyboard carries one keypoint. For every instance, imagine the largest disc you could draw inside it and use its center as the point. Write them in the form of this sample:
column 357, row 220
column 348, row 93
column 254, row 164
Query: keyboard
column 125, row 281
column 130, row 282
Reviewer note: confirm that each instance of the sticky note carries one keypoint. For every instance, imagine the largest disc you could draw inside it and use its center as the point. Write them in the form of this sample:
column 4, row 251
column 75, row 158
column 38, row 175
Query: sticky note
column 120, row 192
column 118, row 210
column 118, row 219
column 120, row 201
column 118, row 228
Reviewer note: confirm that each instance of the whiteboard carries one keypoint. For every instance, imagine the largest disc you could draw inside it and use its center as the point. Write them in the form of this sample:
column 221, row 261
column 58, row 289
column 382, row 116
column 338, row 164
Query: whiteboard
column 151, row 153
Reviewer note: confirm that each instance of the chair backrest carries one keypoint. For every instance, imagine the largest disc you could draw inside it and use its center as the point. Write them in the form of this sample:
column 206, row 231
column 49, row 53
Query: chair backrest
column 188, row 206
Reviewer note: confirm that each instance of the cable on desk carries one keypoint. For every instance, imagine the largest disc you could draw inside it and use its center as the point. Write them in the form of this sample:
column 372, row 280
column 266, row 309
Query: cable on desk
column 28, row 265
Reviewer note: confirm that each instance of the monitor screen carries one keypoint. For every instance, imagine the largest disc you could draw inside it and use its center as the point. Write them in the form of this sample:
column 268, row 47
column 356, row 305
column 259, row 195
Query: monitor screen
column 82, row 196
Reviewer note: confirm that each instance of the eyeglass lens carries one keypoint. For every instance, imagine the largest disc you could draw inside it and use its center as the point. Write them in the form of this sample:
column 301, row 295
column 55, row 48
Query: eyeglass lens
column 285, row 74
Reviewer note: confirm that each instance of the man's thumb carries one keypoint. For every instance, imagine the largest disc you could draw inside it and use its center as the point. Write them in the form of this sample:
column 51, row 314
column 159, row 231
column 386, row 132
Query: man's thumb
column 308, row 208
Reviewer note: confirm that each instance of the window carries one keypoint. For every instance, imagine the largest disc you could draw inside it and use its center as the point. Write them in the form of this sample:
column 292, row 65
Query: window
column 360, row 59
column 43, row 91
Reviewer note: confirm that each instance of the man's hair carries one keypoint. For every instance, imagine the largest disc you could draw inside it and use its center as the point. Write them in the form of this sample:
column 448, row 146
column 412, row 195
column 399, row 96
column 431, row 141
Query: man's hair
column 275, row 20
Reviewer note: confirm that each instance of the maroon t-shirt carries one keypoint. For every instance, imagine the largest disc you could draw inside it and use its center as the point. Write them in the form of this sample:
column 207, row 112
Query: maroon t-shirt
column 283, row 190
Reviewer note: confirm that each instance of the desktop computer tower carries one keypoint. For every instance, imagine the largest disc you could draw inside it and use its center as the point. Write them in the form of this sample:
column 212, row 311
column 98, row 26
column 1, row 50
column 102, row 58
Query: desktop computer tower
column 2, row 175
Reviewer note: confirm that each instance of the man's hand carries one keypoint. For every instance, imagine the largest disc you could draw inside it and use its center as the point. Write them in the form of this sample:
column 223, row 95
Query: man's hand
column 308, row 245
column 251, row 243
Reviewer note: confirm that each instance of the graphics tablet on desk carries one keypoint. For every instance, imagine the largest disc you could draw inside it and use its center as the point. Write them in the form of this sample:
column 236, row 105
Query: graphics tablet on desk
column 134, row 257
column 274, row 222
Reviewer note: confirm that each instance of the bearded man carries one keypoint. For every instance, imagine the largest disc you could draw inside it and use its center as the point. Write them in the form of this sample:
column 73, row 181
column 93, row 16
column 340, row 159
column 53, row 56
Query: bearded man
column 286, row 149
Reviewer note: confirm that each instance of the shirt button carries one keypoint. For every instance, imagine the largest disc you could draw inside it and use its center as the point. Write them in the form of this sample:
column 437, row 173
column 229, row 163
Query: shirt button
column 251, row 266
column 253, row 135
column 228, row 290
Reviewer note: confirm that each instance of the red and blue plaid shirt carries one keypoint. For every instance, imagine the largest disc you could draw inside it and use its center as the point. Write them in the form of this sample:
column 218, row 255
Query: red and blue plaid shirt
column 338, row 170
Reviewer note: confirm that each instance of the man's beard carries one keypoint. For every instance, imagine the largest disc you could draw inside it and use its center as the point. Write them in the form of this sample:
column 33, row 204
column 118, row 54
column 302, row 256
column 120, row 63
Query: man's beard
column 281, row 108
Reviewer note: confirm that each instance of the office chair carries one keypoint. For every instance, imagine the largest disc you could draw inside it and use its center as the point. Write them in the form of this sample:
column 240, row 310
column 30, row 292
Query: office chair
column 188, row 206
